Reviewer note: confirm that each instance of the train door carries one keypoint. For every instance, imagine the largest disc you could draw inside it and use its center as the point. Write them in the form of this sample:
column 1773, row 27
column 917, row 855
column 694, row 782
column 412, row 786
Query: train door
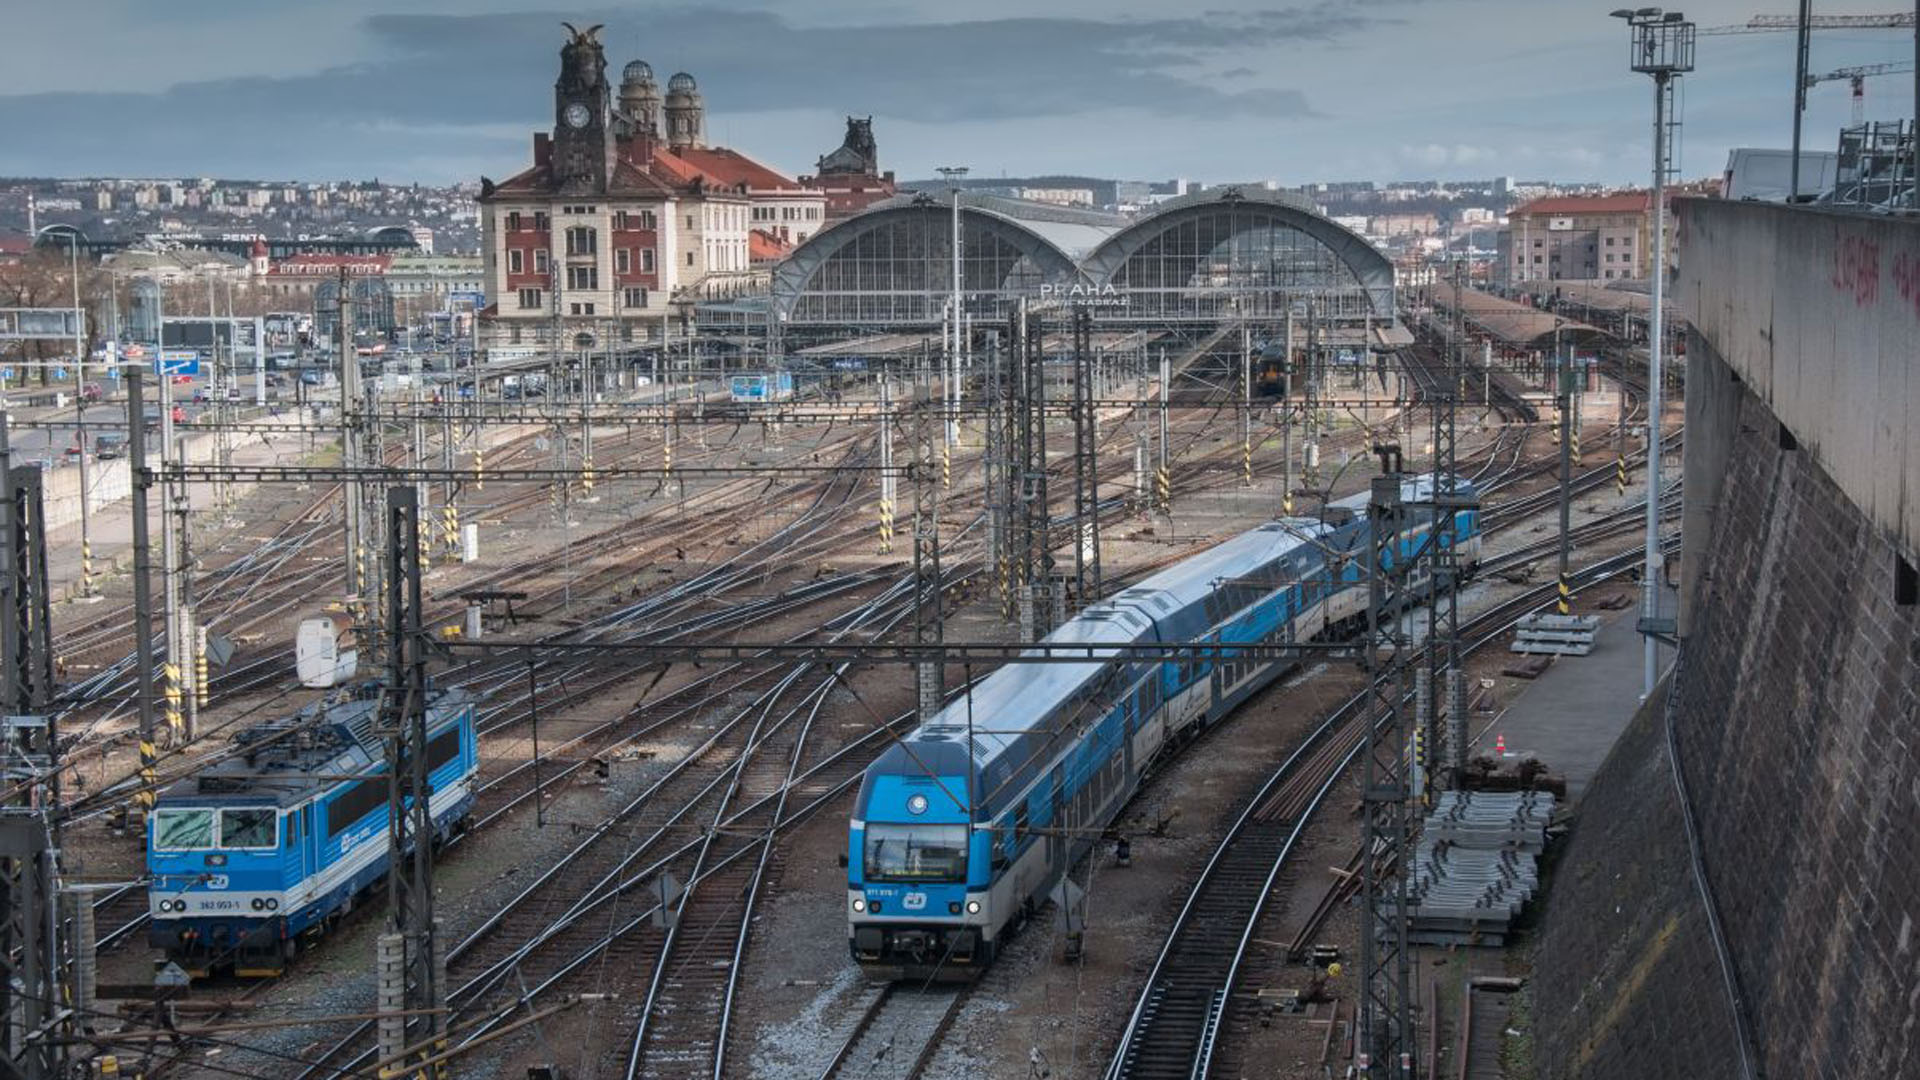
column 295, row 846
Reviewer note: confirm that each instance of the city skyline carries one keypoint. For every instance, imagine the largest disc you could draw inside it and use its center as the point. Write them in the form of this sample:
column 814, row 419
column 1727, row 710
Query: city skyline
column 441, row 93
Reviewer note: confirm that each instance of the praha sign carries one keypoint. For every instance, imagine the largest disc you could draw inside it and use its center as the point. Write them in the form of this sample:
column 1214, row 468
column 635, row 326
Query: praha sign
column 1079, row 295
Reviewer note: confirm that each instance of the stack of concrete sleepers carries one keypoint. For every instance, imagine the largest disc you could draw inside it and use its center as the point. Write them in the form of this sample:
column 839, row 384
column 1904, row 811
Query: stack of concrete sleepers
column 1476, row 865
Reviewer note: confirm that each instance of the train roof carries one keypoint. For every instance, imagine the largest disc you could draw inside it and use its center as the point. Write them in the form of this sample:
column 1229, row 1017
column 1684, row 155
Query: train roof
column 1001, row 706
column 287, row 760
column 1017, row 699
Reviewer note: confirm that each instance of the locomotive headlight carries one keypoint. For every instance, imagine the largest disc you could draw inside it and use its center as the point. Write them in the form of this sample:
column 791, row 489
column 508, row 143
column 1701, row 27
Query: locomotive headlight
column 859, row 904
column 272, row 904
column 259, row 904
column 973, row 907
column 917, row 804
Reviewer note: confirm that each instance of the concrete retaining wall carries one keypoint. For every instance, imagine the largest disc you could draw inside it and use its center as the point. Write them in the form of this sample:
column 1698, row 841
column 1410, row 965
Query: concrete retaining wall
column 1819, row 314
column 109, row 482
column 1798, row 721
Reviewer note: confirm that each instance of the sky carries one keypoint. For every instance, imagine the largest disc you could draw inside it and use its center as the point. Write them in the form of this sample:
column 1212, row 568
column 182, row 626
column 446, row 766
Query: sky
column 440, row 91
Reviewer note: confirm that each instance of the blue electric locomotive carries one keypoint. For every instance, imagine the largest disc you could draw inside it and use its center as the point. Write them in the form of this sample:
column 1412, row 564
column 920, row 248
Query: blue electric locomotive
column 968, row 824
column 279, row 840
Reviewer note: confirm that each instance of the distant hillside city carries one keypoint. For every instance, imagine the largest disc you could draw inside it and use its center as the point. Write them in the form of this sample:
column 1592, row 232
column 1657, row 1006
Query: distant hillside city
column 446, row 218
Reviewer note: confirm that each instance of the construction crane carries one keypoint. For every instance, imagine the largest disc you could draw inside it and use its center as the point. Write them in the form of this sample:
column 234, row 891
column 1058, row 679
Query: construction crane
column 1858, row 77
column 1767, row 24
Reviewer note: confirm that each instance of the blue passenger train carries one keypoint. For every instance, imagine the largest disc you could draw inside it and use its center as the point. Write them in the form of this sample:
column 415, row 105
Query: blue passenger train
column 279, row 840
column 955, row 840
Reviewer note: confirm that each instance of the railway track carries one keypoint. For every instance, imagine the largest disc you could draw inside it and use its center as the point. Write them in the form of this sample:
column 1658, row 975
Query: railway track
column 731, row 794
column 752, row 793
column 1187, row 1002
column 898, row 1032
column 1484, row 1011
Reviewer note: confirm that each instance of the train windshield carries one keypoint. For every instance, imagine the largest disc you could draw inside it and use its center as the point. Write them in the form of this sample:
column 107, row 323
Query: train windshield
column 916, row 852
column 182, row 830
column 247, row 828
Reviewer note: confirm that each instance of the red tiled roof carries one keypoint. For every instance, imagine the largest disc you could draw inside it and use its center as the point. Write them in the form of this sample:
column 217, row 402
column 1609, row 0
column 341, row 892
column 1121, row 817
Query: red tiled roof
column 763, row 246
column 1629, row 202
column 626, row 180
column 724, row 168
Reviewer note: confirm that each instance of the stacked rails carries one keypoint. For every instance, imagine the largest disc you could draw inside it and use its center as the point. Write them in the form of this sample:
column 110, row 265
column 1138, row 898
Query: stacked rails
column 1476, row 865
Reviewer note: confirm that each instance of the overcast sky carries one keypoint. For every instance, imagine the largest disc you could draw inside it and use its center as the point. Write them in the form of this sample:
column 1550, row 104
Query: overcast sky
column 444, row 90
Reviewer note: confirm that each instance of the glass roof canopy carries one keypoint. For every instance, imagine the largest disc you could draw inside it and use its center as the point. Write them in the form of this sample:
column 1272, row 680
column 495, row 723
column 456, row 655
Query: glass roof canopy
column 1199, row 259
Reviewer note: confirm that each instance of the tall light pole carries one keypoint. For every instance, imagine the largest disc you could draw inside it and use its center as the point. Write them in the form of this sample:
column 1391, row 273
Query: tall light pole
column 1803, row 41
column 1662, row 48
column 953, row 174
column 80, row 415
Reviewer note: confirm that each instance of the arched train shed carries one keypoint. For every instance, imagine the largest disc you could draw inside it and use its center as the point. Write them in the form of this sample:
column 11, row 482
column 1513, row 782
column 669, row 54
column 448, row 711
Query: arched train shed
column 1200, row 259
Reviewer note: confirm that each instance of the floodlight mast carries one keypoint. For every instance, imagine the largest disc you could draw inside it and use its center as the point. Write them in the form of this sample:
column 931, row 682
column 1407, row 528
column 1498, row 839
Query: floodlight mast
column 1662, row 48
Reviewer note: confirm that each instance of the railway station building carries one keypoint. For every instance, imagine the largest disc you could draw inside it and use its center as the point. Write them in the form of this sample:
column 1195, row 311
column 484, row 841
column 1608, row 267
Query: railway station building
column 626, row 216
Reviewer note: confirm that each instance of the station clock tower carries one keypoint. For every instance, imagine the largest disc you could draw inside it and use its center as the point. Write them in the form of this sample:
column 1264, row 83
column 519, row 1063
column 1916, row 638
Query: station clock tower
column 583, row 145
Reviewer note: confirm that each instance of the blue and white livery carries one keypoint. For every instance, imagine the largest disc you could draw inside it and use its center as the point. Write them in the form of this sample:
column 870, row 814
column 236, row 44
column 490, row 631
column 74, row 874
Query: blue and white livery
column 280, row 839
column 966, row 826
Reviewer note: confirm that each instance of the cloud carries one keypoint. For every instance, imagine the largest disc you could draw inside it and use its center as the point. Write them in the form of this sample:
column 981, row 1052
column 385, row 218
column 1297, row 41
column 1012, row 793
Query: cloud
column 452, row 83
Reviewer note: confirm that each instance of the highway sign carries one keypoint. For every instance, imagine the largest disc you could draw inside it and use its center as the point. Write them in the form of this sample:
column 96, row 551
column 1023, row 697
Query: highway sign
column 177, row 362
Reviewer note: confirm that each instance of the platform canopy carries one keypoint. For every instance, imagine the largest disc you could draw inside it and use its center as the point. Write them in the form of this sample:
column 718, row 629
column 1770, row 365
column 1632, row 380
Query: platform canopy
column 1515, row 325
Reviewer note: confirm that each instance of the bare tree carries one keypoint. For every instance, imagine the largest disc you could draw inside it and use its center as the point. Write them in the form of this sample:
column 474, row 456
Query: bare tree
column 44, row 278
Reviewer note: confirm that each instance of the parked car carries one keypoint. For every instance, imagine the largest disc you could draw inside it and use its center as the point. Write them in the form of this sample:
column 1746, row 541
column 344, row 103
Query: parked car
column 109, row 446
column 92, row 391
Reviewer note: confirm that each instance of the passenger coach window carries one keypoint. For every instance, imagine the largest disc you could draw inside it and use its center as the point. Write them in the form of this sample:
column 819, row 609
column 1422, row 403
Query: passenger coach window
column 182, row 830
column 246, row 828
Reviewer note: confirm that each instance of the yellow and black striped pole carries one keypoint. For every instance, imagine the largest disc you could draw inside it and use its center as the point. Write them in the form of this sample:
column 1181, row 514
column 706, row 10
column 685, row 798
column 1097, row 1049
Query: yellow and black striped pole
column 1564, row 604
column 176, row 722
column 200, row 666
column 1573, row 442
column 149, row 773
column 1418, row 764
column 1246, row 461
column 479, row 470
column 1163, row 488
column 886, row 525
column 86, row 567
column 450, row 526
column 946, row 465
column 1620, row 475
column 586, row 473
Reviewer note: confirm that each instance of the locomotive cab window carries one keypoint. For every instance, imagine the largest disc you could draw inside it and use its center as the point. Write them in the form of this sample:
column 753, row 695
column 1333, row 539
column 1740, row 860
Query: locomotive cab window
column 916, row 852
column 182, row 830
column 249, row 828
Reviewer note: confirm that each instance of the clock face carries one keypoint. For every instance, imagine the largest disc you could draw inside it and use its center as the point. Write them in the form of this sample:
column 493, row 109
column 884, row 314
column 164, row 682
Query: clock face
column 577, row 115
